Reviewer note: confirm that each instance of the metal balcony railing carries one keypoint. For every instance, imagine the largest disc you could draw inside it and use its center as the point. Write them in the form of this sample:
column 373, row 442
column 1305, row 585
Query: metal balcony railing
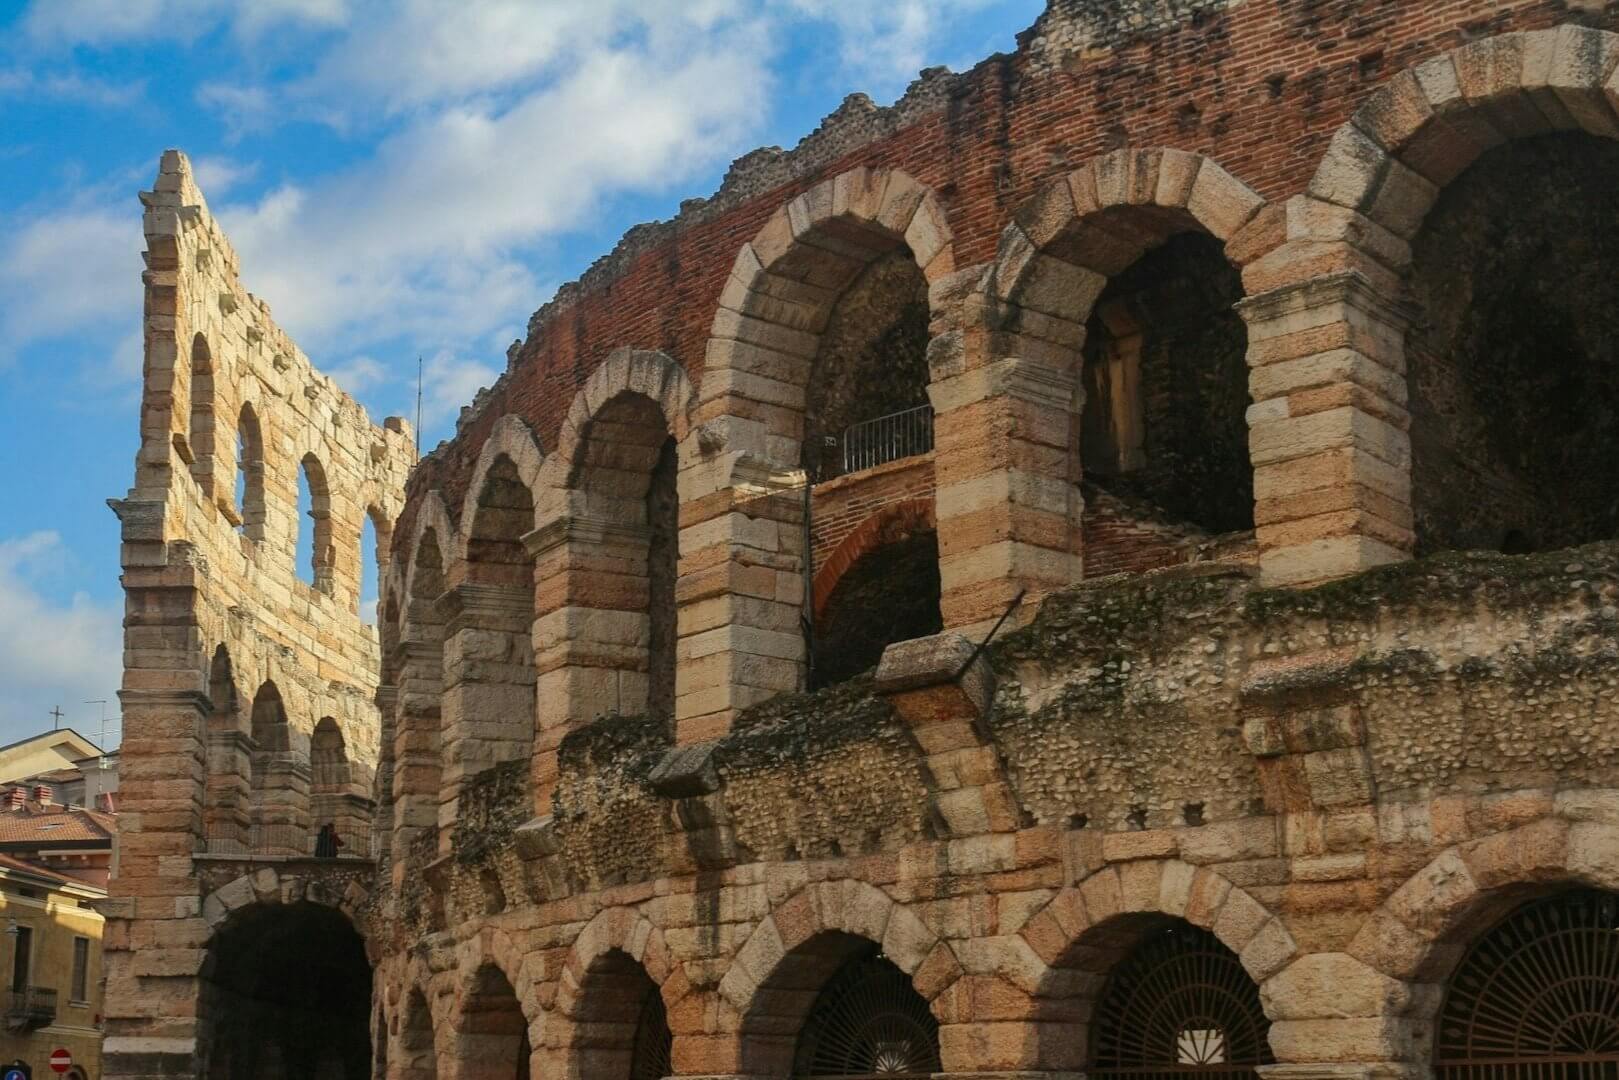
column 292, row 841
column 30, row 1007
column 871, row 443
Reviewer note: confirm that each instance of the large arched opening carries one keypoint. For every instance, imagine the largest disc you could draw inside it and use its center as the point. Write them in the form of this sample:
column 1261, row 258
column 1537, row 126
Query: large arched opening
column 227, row 817
column 621, row 1028
column 1513, row 353
column 418, row 765
column 286, row 993
column 280, row 778
column 1537, row 995
column 491, row 1031
column 836, row 1006
column 880, row 586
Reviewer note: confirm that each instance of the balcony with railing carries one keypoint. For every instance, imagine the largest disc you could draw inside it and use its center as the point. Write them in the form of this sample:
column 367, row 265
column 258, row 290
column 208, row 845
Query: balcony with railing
column 29, row 1007
column 288, row 841
column 875, row 442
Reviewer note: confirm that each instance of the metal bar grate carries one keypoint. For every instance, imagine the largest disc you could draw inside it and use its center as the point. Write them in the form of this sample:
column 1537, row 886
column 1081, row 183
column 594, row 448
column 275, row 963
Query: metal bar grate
column 875, row 442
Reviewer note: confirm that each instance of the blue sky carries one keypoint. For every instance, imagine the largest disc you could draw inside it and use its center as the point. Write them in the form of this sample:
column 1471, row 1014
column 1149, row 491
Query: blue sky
column 400, row 178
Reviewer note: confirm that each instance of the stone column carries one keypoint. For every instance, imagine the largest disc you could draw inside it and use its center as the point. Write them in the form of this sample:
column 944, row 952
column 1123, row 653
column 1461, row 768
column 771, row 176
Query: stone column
column 592, row 631
column 488, row 710
column 417, row 763
column 387, row 699
column 1328, row 427
column 1008, row 504
column 741, row 592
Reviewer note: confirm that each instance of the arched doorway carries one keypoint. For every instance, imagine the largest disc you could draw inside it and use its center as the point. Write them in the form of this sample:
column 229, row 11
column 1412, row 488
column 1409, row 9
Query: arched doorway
column 1537, row 996
column 492, row 1036
column 1180, row 1004
column 889, row 593
column 286, row 992
column 868, row 1020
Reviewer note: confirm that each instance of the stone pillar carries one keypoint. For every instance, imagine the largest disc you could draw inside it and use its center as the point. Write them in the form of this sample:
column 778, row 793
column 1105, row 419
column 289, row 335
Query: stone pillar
column 281, row 803
column 155, row 937
column 387, row 699
column 592, row 631
column 1328, row 428
column 1005, row 458
column 740, row 595
column 417, row 764
column 227, row 810
column 488, row 711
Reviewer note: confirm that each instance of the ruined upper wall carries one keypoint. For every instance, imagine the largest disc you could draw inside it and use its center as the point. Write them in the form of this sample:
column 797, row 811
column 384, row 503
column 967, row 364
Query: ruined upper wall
column 1258, row 87
column 214, row 355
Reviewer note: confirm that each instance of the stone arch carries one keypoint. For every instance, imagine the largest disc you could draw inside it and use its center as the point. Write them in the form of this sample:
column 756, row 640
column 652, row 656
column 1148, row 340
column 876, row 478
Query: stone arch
column 339, row 790
column 783, row 289
column 493, row 1024
column 513, row 439
column 607, row 553
column 284, row 981
column 382, row 528
column 879, row 586
column 280, row 785
column 419, row 661
column 1411, row 943
column 777, row 974
column 1333, row 403
column 197, row 445
column 250, row 467
column 489, row 705
column 1053, row 264
column 226, row 815
column 1086, row 929
column 617, row 959
column 415, row 1055
column 323, row 552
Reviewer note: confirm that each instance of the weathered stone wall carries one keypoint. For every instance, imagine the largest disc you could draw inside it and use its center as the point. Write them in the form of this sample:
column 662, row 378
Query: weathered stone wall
column 232, row 657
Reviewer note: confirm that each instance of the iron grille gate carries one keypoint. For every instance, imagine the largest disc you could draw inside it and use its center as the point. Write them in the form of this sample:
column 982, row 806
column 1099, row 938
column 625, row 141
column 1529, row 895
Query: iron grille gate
column 1180, row 1005
column 650, row 1058
column 869, row 1021
column 1538, row 996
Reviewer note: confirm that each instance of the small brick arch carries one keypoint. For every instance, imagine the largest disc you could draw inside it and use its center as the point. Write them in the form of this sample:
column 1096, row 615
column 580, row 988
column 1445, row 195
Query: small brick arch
column 513, row 438
column 1426, row 125
column 653, row 375
column 883, row 527
column 431, row 513
column 1054, row 259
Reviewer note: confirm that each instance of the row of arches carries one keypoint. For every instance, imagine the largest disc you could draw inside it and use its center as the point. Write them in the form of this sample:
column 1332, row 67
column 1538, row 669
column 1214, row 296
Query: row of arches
column 272, row 788
column 1535, row 994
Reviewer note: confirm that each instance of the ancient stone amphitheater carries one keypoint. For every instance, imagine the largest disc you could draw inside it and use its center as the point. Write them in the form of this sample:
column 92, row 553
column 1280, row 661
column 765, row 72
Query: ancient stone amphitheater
column 1105, row 566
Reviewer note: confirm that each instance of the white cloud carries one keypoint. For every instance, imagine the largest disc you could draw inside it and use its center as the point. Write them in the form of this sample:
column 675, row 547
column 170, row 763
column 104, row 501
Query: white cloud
column 217, row 175
column 101, row 22
column 70, row 271
column 886, row 43
column 70, row 86
column 449, row 382
column 359, row 374
column 51, row 653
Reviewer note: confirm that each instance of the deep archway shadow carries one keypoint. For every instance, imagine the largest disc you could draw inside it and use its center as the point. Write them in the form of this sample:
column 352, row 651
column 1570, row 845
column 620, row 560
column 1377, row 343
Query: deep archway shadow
column 286, row 992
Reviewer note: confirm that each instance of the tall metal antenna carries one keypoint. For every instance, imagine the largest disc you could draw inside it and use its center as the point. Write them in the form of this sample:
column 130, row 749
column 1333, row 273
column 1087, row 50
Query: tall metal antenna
column 418, row 404
column 56, row 717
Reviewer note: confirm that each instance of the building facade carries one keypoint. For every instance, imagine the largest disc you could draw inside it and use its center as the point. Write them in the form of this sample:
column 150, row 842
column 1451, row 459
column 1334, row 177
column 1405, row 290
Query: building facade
column 1239, row 372
column 52, row 952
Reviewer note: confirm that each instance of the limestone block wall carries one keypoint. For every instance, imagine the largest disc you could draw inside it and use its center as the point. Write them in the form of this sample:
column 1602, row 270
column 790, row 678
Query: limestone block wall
column 233, row 655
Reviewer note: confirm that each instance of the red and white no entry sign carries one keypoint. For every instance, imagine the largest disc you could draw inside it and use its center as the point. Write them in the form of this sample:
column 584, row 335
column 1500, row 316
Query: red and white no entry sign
column 61, row 1061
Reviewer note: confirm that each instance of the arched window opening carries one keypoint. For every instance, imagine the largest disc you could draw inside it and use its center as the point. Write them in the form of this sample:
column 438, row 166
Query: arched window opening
column 867, row 401
column 280, row 783
column 1180, row 1005
column 286, row 991
column 250, row 474
column 339, row 802
column 494, row 1032
column 227, row 817
column 625, row 470
column 417, row 738
column 314, row 549
column 1164, row 427
column 505, row 513
column 889, row 594
column 197, row 447
column 417, row 1052
column 868, row 1019
column 376, row 538
column 1537, row 996
column 1513, row 357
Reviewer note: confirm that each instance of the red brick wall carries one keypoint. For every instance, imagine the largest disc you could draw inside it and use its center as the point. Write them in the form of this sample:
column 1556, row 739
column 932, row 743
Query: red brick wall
column 1259, row 87
column 840, row 506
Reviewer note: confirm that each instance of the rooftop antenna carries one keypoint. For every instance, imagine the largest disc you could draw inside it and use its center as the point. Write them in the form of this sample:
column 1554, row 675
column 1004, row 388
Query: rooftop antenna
column 418, row 404
column 102, row 741
column 56, row 717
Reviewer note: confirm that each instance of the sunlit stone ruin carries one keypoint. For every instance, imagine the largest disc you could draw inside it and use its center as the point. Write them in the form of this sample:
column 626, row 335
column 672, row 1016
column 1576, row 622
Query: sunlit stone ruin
column 1105, row 566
